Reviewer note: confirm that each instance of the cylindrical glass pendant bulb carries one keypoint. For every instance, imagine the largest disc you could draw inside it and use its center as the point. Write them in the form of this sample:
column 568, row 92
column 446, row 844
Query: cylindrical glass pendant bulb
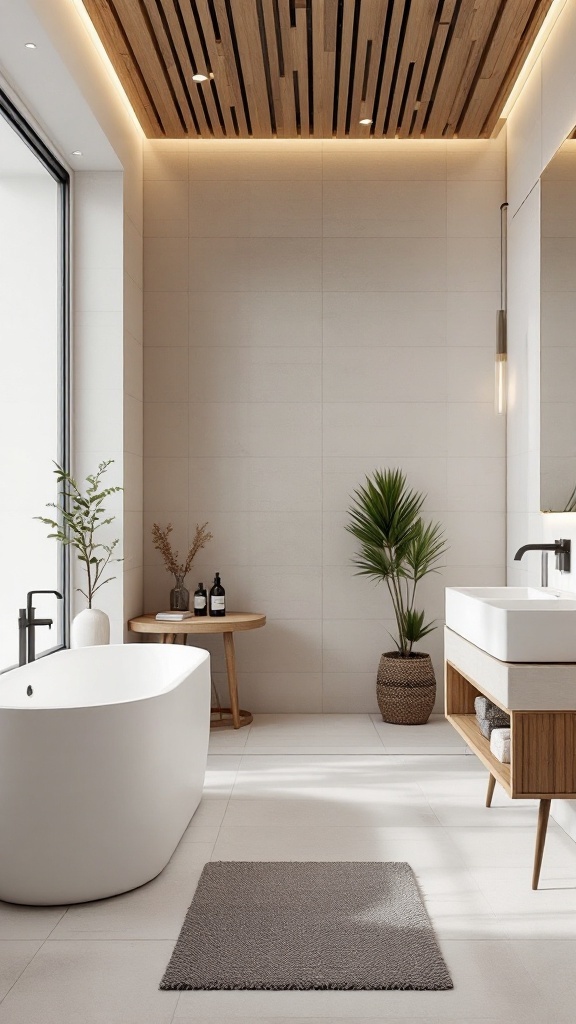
column 500, row 385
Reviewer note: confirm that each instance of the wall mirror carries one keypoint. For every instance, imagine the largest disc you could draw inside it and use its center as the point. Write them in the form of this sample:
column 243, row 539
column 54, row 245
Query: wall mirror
column 558, row 331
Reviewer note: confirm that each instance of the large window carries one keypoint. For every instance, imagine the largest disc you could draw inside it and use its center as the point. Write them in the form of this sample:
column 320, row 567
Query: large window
column 34, row 240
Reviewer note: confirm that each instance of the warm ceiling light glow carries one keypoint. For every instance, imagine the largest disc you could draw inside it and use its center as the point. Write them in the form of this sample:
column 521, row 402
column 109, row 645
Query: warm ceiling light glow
column 211, row 75
column 366, row 120
column 30, row 46
column 104, row 58
column 536, row 49
column 199, row 78
column 77, row 152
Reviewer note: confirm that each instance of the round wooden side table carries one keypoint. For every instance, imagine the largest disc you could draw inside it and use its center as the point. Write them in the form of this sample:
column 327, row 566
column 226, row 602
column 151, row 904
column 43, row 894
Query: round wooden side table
column 232, row 622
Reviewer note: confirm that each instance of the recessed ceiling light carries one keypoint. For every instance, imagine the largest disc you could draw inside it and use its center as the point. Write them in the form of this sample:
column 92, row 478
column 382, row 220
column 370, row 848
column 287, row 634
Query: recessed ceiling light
column 211, row 75
column 366, row 120
column 199, row 78
column 30, row 46
column 77, row 152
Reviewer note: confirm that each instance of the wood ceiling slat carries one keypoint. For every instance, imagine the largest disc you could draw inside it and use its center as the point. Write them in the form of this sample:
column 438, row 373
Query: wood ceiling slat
column 287, row 81
column 380, row 15
column 300, row 56
column 418, row 68
column 201, row 92
column 502, row 54
column 126, row 68
column 274, row 62
column 232, row 76
column 328, row 68
column 479, row 34
column 322, row 129
column 218, row 67
column 165, row 42
column 345, row 58
column 459, row 47
column 508, row 79
column 370, row 33
column 182, row 51
column 432, row 70
column 295, row 49
column 250, row 49
column 391, row 51
column 152, row 68
column 419, row 30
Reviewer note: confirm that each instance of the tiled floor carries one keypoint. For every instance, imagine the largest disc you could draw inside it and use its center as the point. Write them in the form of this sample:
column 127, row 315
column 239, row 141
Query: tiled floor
column 334, row 787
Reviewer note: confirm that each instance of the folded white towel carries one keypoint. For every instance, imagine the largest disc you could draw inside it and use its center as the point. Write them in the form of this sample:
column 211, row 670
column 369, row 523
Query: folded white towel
column 500, row 744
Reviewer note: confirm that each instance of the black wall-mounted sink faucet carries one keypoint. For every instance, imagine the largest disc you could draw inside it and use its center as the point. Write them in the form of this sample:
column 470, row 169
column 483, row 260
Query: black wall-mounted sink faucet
column 561, row 549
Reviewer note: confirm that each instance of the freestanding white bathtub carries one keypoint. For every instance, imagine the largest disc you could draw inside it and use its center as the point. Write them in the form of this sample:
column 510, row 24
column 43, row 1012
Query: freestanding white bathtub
column 101, row 768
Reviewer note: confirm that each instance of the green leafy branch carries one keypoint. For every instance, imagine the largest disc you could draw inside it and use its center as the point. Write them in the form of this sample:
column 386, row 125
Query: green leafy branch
column 80, row 516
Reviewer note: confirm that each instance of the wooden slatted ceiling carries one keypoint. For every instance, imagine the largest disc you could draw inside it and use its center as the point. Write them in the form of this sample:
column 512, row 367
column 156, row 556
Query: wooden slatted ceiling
column 315, row 68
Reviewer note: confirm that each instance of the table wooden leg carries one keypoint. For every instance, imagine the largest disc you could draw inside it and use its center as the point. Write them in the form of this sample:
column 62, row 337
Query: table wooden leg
column 163, row 638
column 490, row 791
column 543, row 814
column 232, row 680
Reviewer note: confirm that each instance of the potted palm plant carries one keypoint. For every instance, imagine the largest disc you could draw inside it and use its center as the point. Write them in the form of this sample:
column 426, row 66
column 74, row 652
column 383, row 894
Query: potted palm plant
column 399, row 548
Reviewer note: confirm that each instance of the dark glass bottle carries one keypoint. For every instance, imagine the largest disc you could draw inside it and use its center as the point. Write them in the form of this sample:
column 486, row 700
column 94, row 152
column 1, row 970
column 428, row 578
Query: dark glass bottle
column 200, row 600
column 217, row 598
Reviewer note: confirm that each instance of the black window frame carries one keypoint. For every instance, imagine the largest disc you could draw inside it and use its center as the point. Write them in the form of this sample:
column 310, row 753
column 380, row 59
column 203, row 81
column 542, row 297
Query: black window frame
column 18, row 122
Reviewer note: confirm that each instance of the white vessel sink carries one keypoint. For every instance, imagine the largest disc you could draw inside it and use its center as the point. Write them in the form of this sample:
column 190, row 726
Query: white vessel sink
column 515, row 623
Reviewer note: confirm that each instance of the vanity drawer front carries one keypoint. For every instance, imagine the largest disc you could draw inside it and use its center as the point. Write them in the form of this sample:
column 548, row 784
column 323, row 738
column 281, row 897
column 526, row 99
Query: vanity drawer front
column 543, row 753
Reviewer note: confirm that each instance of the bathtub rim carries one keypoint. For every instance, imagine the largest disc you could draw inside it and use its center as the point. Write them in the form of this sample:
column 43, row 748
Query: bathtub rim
column 139, row 699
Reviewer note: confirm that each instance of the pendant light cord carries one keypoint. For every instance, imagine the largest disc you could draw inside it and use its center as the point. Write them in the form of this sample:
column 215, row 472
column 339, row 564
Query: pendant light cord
column 503, row 255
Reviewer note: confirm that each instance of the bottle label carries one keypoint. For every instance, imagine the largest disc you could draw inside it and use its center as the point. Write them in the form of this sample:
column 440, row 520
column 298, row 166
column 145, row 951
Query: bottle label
column 218, row 603
column 199, row 601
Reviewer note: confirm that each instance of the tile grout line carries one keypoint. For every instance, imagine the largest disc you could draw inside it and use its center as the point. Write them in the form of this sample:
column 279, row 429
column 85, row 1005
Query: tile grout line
column 227, row 803
column 380, row 738
column 26, row 966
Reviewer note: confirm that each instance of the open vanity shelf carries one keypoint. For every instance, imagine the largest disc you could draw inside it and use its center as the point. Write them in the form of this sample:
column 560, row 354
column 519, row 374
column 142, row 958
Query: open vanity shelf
column 467, row 726
column 542, row 742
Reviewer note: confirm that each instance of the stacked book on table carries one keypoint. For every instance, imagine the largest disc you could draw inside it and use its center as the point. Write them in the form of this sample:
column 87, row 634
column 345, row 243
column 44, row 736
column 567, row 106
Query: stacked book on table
column 173, row 616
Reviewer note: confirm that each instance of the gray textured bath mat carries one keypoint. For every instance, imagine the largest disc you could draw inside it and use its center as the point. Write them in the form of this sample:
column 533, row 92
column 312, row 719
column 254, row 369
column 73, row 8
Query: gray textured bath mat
column 306, row 925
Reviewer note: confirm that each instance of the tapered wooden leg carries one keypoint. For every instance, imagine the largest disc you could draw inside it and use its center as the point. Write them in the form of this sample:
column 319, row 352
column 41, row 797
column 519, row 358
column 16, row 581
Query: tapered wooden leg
column 232, row 680
column 490, row 791
column 543, row 814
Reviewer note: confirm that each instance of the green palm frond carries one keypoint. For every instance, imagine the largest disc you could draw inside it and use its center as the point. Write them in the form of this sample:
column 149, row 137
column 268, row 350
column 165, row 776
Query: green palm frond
column 427, row 546
column 414, row 627
column 385, row 510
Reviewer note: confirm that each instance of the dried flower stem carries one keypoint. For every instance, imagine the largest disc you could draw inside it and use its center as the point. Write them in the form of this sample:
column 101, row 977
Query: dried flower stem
column 162, row 544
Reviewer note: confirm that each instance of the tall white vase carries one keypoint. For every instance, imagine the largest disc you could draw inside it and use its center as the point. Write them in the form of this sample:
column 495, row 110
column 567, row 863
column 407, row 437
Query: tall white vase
column 90, row 628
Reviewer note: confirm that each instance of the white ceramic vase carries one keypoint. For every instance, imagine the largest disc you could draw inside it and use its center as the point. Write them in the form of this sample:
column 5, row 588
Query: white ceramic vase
column 90, row 628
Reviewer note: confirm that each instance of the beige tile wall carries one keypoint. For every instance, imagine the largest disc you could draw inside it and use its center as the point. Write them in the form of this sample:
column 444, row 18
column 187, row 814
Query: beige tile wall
column 314, row 311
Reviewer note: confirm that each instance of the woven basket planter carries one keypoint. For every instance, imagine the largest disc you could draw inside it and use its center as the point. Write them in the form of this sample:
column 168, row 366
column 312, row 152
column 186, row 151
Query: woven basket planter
column 405, row 688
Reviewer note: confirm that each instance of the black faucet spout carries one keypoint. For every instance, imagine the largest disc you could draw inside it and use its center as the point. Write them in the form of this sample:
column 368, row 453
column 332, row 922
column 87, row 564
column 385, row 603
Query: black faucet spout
column 561, row 549
column 534, row 547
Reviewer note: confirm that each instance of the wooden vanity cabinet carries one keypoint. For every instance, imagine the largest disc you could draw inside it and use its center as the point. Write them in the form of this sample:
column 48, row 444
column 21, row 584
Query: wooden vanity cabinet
column 542, row 750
